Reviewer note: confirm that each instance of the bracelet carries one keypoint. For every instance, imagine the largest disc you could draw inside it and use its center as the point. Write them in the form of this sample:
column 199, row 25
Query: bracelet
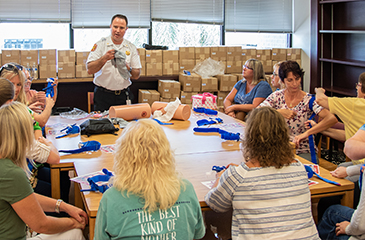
column 58, row 204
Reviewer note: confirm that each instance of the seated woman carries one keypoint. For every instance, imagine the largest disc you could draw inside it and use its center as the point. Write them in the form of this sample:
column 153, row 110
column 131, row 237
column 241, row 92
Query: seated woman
column 293, row 104
column 14, row 73
column 275, row 79
column 147, row 192
column 249, row 92
column 341, row 222
column 19, row 205
column 268, row 192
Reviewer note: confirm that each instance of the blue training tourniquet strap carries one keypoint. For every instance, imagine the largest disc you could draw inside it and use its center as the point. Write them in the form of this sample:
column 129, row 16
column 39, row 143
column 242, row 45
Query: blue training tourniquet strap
column 71, row 129
column 162, row 123
column 205, row 110
column 49, row 89
column 218, row 168
column 84, row 147
column 211, row 121
column 310, row 138
column 99, row 178
column 224, row 134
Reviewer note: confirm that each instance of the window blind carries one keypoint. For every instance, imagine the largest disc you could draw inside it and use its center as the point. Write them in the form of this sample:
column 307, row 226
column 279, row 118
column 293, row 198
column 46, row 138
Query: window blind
column 258, row 16
column 97, row 14
column 198, row 11
column 35, row 11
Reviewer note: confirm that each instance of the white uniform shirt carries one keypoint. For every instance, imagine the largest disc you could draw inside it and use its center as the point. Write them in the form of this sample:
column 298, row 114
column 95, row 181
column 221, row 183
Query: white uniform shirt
column 108, row 77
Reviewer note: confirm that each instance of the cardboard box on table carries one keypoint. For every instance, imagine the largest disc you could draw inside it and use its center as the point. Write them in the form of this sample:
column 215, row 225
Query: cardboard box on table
column 148, row 96
column 66, row 70
column 185, row 97
column 169, row 89
column 190, row 83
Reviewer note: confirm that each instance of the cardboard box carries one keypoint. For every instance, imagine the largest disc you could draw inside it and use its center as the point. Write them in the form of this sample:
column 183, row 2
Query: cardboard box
column 267, row 64
column 293, row 54
column 66, row 56
column 202, row 53
column 81, row 72
column 187, row 64
column 279, row 54
column 10, row 56
column 29, row 58
column 190, row 83
column 142, row 54
column 220, row 97
column 234, row 54
column 167, row 99
column 81, row 58
column 239, row 76
column 234, row 67
column 170, row 56
column 218, row 53
column 248, row 53
column 154, row 56
column 171, row 68
column 169, row 89
column 143, row 69
column 186, row 53
column 47, row 71
column 154, row 69
column 263, row 54
column 47, row 56
column 226, row 82
column 66, row 69
column 209, row 84
column 185, row 97
column 148, row 96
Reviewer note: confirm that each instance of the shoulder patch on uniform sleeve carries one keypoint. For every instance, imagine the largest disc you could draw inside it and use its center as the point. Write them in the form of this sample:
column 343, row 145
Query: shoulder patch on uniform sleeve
column 94, row 47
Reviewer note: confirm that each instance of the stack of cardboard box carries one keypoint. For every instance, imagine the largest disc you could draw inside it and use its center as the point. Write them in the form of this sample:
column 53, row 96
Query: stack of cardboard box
column 29, row 58
column 190, row 85
column 47, row 63
column 81, row 71
column 170, row 61
column 234, row 60
column 148, row 96
column 201, row 53
column 169, row 90
column 225, row 82
column 142, row 57
column 248, row 53
column 219, row 54
column 264, row 55
column 294, row 54
column 66, row 63
column 187, row 58
column 153, row 62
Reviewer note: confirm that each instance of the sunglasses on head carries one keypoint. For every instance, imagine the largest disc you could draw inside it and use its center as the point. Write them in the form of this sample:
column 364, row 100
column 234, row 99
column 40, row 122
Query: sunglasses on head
column 11, row 67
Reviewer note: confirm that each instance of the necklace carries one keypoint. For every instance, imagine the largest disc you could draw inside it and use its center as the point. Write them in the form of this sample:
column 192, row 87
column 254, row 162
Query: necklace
column 293, row 100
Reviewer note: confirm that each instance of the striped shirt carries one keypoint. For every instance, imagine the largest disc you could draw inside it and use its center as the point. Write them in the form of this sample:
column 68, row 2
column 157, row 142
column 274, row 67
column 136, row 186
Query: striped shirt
column 268, row 203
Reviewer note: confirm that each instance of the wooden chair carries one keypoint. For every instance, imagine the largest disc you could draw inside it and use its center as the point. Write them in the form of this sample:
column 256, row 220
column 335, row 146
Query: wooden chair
column 90, row 100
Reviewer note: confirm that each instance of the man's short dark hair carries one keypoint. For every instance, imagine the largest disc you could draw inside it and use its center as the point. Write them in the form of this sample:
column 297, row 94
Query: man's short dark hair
column 119, row 16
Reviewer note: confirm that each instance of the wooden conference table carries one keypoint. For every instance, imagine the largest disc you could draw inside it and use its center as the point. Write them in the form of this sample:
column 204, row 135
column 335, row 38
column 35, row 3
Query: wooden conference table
column 195, row 155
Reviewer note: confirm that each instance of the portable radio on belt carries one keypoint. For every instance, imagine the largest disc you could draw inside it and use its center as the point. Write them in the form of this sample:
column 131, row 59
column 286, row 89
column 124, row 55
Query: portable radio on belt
column 128, row 101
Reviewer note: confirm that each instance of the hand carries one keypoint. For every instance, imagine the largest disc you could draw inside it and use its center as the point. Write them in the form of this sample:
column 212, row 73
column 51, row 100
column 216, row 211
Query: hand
column 231, row 114
column 79, row 224
column 37, row 107
column 287, row 113
column 74, row 212
column 219, row 174
column 341, row 227
column 313, row 123
column 339, row 172
column 44, row 141
column 319, row 90
column 299, row 138
column 109, row 55
column 49, row 102
column 41, row 96
column 55, row 82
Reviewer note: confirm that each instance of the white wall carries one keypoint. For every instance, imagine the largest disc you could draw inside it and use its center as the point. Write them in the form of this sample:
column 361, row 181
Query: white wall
column 301, row 36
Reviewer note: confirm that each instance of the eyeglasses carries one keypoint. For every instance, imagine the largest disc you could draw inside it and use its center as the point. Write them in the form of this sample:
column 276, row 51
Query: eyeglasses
column 358, row 84
column 274, row 74
column 244, row 66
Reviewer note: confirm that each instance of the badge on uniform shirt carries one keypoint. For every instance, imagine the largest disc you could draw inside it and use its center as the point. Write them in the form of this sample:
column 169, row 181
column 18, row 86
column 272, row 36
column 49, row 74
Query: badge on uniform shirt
column 127, row 53
column 94, row 47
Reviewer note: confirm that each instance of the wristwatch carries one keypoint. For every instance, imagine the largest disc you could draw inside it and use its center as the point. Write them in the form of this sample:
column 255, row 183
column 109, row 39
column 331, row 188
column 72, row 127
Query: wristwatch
column 130, row 70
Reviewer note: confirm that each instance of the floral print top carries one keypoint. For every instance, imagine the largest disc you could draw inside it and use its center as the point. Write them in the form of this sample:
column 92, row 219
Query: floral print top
column 297, row 124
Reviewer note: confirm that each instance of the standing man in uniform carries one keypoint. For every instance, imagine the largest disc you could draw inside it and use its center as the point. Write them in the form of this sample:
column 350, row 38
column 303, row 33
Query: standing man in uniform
column 111, row 78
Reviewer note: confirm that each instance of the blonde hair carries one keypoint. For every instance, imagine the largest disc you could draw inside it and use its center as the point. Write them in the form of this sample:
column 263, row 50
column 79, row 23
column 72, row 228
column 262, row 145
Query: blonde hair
column 9, row 74
column 144, row 165
column 6, row 91
column 267, row 138
column 16, row 133
column 258, row 70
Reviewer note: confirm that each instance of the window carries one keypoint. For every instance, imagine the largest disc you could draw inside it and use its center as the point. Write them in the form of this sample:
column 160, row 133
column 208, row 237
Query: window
column 33, row 35
column 175, row 35
column 257, row 40
column 84, row 39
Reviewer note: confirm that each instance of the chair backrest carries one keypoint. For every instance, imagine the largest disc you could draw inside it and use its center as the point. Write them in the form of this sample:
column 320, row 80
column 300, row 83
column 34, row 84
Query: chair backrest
column 90, row 100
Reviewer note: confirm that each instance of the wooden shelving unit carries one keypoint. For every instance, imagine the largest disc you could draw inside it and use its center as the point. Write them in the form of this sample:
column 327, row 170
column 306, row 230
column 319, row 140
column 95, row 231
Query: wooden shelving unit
column 337, row 45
